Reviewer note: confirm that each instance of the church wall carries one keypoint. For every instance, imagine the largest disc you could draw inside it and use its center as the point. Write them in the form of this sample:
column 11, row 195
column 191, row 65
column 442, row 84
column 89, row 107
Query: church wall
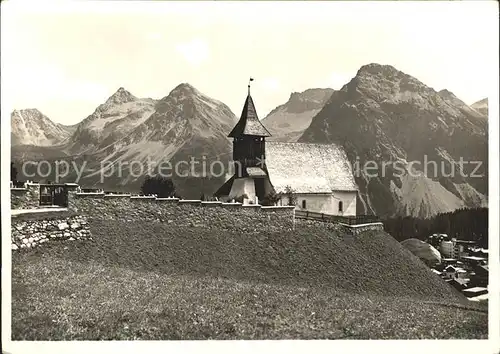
column 326, row 203
column 319, row 203
column 348, row 199
column 243, row 186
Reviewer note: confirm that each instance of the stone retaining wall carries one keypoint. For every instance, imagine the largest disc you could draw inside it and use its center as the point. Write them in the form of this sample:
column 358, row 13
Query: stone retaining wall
column 358, row 229
column 352, row 230
column 184, row 213
column 324, row 224
column 25, row 198
column 34, row 229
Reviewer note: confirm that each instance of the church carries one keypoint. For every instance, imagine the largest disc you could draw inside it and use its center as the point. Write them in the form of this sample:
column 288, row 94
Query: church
column 319, row 175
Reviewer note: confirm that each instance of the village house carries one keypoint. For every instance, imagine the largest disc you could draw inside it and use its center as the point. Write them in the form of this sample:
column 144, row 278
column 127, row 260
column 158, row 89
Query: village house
column 456, row 248
column 448, row 261
column 319, row 176
column 436, row 239
column 479, row 277
column 479, row 252
column 475, row 292
column 473, row 261
column 447, row 249
column 452, row 272
column 462, row 247
column 459, row 284
column 449, row 272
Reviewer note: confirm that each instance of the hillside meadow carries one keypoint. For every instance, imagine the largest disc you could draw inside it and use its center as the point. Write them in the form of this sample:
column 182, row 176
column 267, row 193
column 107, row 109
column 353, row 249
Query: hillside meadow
column 157, row 281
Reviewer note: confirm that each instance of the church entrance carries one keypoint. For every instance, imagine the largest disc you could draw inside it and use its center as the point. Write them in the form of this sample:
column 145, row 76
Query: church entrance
column 53, row 195
column 260, row 190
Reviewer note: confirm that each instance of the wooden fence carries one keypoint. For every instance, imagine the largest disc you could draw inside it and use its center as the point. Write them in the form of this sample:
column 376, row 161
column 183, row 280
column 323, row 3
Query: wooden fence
column 349, row 220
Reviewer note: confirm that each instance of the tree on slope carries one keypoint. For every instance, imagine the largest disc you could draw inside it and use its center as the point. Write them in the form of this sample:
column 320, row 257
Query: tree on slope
column 161, row 186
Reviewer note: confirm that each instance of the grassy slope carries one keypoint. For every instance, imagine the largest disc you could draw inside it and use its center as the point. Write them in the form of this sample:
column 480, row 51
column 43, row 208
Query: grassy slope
column 176, row 283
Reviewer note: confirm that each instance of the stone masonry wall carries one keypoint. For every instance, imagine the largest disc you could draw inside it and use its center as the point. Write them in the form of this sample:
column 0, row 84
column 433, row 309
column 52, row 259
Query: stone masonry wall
column 25, row 198
column 33, row 230
column 35, row 227
column 217, row 215
column 358, row 229
column 352, row 230
column 30, row 231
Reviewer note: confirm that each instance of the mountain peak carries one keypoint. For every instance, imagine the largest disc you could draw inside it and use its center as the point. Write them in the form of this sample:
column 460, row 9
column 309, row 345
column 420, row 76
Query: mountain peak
column 32, row 110
column 182, row 91
column 446, row 93
column 381, row 115
column 289, row 120
column 31, row 127
column 385, row 83
column 121, row 96
column 312, row 94
column 185, row 88
column 375, row 68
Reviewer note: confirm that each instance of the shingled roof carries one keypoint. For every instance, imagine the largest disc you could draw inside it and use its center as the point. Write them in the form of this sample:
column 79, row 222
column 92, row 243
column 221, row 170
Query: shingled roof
column 249, row 123
column 308, row 168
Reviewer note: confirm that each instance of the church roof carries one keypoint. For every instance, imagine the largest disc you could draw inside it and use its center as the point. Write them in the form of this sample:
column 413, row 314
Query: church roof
column 225, row 189
column 249, row 123
column 308, row 168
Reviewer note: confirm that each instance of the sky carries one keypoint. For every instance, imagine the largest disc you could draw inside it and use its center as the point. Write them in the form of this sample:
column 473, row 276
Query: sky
column 66, row 58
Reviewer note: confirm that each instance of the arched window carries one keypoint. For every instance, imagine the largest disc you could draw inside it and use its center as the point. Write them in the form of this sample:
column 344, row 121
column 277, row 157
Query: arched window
column 303, row 204
column 341, row 207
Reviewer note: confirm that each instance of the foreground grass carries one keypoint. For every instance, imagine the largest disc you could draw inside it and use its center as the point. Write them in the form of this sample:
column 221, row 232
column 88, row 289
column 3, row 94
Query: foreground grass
column 64, row 300
column 59, row 299
column 372, row 263
column 157, row 282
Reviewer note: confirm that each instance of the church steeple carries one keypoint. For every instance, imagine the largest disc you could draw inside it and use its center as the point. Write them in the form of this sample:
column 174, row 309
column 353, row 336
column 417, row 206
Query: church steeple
column 249, row 123
column 249, row 145
column 249, row 153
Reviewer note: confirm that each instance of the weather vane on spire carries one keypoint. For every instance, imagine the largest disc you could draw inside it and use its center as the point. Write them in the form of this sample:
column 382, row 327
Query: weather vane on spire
column 251, row 79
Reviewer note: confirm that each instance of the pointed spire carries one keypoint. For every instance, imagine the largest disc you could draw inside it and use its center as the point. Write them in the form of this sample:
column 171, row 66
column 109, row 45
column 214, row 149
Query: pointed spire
column 249, row 81
column 249, row 123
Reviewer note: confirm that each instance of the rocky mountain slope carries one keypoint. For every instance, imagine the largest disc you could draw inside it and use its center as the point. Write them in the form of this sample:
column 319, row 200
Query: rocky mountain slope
column 184, row 125
column 32, row 127
column 127, row 136
column 112, row 120
column 381, row 116
column 392, row 126
column 481, row 106
column 288, row 121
